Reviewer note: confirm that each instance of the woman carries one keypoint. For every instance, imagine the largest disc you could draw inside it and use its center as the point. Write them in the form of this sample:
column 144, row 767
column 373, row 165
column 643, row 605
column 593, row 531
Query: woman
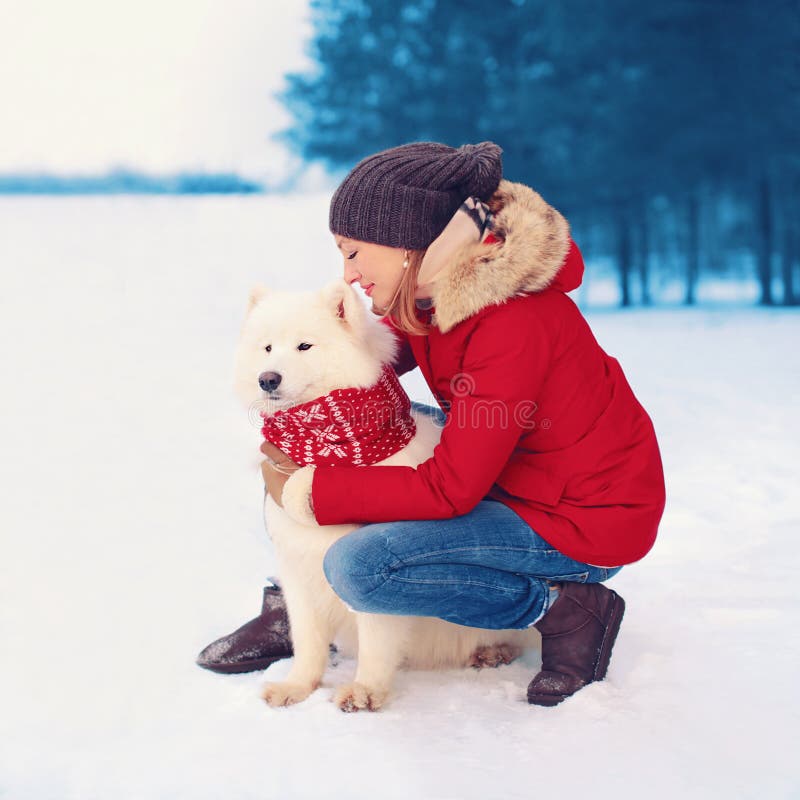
column 548, row 477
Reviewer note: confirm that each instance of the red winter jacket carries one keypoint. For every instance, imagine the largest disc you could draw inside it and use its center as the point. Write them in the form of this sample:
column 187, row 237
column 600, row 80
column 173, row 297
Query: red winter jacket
column 539, row 416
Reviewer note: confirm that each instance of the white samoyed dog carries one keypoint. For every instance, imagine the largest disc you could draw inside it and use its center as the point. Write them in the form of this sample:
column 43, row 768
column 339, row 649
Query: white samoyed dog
column 350, row 346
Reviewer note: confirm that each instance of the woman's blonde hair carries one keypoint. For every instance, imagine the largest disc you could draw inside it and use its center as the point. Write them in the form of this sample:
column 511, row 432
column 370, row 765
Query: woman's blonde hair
column 402, row 307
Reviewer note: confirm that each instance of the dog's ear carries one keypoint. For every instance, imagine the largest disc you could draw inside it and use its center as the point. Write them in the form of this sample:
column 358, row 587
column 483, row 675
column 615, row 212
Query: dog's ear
column 257, row 293
column 343, row 303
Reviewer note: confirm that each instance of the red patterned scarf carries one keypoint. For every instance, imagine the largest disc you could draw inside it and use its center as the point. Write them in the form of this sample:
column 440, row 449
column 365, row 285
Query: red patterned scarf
column 355, row 427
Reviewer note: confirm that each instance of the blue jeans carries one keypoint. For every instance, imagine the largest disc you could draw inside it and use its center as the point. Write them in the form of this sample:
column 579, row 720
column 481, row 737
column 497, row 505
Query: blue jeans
column 485, row 569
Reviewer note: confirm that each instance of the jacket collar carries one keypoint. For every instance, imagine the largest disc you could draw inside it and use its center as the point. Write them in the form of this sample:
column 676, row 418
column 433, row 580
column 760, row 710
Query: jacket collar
column 534, row 242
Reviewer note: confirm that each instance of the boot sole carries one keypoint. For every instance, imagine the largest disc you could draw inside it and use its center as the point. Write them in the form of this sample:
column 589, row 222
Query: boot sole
column 607, row 645
column 547, row 699
column 242, row 666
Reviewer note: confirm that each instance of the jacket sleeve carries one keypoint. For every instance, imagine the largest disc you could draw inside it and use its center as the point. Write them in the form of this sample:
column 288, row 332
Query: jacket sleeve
column 405, row 361
column 504, row 365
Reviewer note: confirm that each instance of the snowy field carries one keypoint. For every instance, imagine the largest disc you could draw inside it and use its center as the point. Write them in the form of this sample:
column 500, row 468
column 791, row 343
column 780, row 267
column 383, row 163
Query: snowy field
column 132, row 537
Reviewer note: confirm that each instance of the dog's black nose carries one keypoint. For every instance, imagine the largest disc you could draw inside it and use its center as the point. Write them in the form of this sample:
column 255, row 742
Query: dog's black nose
column 269, row 381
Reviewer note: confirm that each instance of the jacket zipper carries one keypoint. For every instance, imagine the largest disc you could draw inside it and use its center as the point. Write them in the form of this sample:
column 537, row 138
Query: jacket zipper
column 443, row 404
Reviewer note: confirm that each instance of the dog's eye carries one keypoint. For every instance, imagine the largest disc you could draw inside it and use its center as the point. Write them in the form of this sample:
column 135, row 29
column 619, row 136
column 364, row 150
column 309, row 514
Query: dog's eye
column 268, row 348
column 304, row 346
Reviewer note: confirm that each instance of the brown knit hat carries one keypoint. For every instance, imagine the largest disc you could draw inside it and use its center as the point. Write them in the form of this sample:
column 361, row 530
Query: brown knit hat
column 405, row 196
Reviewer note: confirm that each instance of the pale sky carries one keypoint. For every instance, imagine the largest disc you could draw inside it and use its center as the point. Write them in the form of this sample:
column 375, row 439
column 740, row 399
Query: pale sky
column 157, row 84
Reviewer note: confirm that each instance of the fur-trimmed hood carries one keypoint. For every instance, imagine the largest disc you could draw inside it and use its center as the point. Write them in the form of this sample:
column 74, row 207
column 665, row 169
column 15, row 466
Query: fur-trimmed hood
column 530, row 256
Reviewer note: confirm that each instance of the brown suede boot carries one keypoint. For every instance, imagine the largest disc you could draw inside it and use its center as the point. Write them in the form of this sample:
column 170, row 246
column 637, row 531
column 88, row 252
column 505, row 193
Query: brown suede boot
column 578, row 633
column 256, row 644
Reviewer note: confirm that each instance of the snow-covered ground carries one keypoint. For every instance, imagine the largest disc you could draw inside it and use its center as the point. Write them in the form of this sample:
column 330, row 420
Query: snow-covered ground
column 132, row 536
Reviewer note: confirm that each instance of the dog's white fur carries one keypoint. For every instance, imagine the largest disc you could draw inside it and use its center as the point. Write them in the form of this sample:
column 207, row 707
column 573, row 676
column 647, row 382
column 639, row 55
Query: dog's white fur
column 349, row 347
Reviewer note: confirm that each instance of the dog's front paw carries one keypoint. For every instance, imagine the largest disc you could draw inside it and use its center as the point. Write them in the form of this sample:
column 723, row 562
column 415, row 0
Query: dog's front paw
column 355, row 696
column 285, row 694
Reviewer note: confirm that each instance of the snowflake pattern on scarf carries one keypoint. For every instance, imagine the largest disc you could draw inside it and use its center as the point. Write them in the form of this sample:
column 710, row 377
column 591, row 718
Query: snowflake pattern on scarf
column 356, row 427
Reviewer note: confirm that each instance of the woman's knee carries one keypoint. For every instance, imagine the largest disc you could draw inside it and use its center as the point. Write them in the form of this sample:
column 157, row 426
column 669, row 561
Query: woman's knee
column 356, row 565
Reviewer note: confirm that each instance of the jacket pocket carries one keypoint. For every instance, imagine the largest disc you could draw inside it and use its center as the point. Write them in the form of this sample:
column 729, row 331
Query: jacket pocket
column 529, row 481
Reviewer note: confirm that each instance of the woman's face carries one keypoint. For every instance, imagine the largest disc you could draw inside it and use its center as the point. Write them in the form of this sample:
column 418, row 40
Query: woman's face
column 377, row 268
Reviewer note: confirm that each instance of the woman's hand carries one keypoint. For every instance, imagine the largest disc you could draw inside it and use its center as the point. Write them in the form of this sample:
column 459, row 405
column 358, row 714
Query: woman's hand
column 276, row 473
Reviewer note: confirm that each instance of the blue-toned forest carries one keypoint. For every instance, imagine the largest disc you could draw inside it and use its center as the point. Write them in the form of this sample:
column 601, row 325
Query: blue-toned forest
column 667, row 132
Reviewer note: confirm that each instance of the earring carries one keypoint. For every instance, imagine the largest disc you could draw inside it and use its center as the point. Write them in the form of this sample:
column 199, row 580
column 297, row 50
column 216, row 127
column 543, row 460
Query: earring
column 405, row 263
